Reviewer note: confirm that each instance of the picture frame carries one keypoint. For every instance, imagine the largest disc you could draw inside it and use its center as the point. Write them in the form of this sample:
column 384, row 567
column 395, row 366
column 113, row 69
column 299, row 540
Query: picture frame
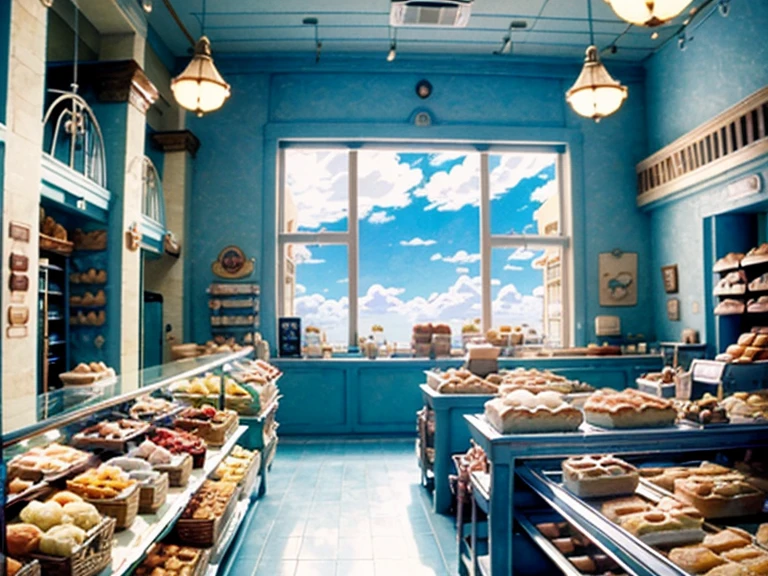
column 617, row 279
column 669, row 276
column 673, row 309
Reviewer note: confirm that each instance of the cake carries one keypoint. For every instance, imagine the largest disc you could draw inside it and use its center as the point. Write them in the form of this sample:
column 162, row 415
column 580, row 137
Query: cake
column 695, row 559
column 628, row 409
column 595, row 476
column 720, row 497
column 522, row 411
column 664, row 528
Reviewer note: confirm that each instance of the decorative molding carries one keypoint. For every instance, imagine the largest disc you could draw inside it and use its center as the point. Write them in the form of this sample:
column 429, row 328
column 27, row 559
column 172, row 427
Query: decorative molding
column 731, row 139
column 176, row 141
column 46, row 3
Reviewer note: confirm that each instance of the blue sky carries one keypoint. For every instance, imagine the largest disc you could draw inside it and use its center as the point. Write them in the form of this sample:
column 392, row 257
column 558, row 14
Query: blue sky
column 419, row 235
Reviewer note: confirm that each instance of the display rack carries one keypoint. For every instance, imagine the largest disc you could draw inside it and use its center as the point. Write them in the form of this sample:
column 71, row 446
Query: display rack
column 234, row 309
column 507, row 452
column 53, row 314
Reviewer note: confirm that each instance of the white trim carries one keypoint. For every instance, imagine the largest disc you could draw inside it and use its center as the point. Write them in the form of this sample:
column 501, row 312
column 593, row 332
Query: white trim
column 280, row 245
column 315, row 238
column 528, row 241
column 567, row 298
column 352, row 247
column 485, row 244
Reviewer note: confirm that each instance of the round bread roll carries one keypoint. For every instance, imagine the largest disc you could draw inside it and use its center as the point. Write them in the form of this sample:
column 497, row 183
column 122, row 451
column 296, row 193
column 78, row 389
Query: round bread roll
column 442, row 329
column 12, row 567
column 65, row 497
column 22, row 539
column 735, row 350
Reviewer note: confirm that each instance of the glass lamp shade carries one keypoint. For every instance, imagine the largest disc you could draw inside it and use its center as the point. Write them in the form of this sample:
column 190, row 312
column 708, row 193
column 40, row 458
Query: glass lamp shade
column 648, row 12
column 200, row 88
column 595, row 94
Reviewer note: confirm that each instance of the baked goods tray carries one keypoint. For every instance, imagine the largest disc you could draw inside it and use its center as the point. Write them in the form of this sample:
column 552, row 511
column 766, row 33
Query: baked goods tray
column 88, row 461
column 80, row 440
column 566, row 562
column 207, row 532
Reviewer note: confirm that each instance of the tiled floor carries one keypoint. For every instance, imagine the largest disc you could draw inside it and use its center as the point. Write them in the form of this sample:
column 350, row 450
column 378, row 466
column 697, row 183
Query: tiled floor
column 346, row 508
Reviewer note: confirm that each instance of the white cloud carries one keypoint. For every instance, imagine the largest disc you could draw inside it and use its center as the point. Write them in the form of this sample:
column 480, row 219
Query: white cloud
column 378, row 299
column 342, row 281
column 300, row 289
column 436, row 257
column 461, row 257
column 462, row 270
column 517, row 167
column 318, row 183
column 452, row 190
column 521, row 254
column 539, row 291
column 380, row 217
column 443, row 157
column 545, row 192
column 417, row 242
column 513, row 268
column 495, row 282
column 302, row 255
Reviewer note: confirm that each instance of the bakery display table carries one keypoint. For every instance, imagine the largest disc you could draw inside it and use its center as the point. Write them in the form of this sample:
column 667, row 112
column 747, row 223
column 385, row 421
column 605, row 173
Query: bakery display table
column 505, row 454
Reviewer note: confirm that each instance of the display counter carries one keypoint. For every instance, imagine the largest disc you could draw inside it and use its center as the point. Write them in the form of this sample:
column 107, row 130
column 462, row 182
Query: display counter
column 183, row 476
column 501, row 492
column 359, row 396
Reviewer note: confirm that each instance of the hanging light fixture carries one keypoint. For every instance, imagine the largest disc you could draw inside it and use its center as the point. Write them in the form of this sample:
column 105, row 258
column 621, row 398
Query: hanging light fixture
column 200, row 88
column 648, row 12
column 595, row 94
column 392, row 54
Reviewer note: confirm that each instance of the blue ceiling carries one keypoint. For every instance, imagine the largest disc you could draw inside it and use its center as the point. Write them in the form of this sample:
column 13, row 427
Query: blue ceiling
column 555, row 28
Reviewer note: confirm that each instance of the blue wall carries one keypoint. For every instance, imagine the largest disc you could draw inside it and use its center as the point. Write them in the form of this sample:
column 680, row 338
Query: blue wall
column 726, row 62
column 233, row 198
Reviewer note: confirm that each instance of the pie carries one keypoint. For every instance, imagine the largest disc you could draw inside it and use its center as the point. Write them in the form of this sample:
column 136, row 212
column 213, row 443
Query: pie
column 628, row 409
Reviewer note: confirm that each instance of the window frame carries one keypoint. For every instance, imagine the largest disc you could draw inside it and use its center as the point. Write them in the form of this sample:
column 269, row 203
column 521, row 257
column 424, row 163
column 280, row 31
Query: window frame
column 487, row 241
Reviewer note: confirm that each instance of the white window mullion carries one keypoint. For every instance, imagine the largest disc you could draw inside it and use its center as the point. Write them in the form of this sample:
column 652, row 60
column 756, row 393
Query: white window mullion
column 315, row 238
column 352, row 247
column 280, row 246
column 528, row 241
column 485, row 243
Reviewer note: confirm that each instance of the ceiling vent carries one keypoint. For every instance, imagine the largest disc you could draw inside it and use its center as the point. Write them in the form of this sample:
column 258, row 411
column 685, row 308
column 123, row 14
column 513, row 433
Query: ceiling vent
column 444, row 13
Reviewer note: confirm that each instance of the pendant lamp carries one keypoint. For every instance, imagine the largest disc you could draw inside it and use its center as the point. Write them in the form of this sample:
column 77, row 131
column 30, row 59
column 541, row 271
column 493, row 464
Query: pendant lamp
column 200, row 88
column 595, row 94
column 648, row 12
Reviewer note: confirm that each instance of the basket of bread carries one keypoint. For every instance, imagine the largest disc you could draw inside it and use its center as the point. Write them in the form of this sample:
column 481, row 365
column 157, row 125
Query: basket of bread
column 749, row 348
column 240, row 467
column 15, row 568
column 84, row 374
column 181, row 442
column 65, row 535
column 153, row 485
column 151, row 409
column 53, row 236
column 177, row 467
column 91, row 276
column 207, row 512
column 213, row 426
column 111, row 490
column 111, row 436
column 173, row 560
column 51, row 463
column 94, row 240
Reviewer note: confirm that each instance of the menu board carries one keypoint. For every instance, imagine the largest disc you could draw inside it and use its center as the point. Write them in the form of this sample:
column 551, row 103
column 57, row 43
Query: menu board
column 289, row 337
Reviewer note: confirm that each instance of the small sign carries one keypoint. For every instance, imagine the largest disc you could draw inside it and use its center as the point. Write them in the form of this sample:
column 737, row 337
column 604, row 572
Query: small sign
column 289, row 338
column 232, row 263
column 744, row 187
column 20, row 232
column 16, row 332
column 19, row 262
column 19, row 283
column 18, row 315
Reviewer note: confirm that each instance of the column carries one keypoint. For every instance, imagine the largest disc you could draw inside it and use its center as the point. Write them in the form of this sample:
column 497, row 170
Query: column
column 21, row 203
column 167, row 274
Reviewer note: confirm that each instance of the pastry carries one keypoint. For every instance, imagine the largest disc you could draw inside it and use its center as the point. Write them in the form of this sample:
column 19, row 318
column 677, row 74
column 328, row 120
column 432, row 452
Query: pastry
column 695, row 559
column 12, row 566
column 727, row 262
column 100, row 483
column 615, row 509
column 564, row 545
column 22, row 539
column 584, row 564
column 736, row 350
column 17, row 486
column 44, row 516
column 62, row 540
column 82, row 514
column 522, row 411
column 549, row 530
column 664, row 528
column 471, row 385
column 746, row 339
column 759, row 284
column 729, row 570
column 595, row 476
column 210, row 501
column 720, row 497
column 729, row 306
column 706, row 410
column 628, row 409
column 762, row 535
column 758, row 306
column 732, row 283
column 727, row 539
column 170, row 560
column 65, row 497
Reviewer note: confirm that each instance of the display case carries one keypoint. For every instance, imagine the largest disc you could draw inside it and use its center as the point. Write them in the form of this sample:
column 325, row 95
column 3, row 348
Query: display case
column 524, row 488
column 89, row 407
column 53, row 319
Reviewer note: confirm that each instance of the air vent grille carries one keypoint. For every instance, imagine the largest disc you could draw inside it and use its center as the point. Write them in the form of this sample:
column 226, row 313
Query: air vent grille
column 732, row 138
column 445, row 13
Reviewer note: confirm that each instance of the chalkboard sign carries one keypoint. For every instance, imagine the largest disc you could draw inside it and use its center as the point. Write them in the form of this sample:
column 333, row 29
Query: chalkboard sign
column 289, row 340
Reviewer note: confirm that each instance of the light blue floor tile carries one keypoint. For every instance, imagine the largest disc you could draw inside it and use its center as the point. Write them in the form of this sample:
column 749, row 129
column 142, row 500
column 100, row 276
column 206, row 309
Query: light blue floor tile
column 316, row 568
column 274, row 568
column 355, row 568
column 319, row 548
column 357, row 548
column 284, row 548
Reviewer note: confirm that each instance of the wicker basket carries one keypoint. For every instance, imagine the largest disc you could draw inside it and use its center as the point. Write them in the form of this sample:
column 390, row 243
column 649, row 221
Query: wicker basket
column 214, row 434
column 152, row 496
column 31, row 569
column 89, row 559
column 123, row 509
column 205, row 533
column 178, row 470
column 251, row 475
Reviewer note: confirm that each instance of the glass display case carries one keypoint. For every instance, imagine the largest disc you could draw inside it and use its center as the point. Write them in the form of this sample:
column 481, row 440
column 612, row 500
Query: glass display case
column 183, row 426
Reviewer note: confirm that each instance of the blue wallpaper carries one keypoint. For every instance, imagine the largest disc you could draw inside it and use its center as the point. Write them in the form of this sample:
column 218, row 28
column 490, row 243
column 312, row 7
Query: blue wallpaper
column 236, row 162
column 725, row 63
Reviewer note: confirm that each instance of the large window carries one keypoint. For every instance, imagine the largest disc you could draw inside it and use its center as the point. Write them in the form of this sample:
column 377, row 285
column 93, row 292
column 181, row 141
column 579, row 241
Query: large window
column 393, row 237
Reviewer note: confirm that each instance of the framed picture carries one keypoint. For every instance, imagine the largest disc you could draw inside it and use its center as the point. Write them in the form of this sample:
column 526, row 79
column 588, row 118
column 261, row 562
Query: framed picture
column 669, row 275
column 673, row 309
column 618, row 278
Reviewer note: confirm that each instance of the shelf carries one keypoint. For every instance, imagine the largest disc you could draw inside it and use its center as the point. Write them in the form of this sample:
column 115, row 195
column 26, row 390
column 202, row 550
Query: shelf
column 130, row 545
column 51, row 293
column 481, row 490
column 727, row 293
column 237, row 327
column 56, row 342
column 228, row 535
column 55, row 317
column 546, row 546
column 51, row 267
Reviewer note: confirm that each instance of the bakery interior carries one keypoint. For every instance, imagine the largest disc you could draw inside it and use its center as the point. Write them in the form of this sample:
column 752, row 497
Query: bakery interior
column 279, row 246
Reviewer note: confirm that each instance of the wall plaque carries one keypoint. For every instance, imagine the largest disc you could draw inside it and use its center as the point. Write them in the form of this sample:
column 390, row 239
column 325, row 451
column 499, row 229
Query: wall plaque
column 18, row 315
column 19, row 231
column 19, row 262
column 19, row 283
